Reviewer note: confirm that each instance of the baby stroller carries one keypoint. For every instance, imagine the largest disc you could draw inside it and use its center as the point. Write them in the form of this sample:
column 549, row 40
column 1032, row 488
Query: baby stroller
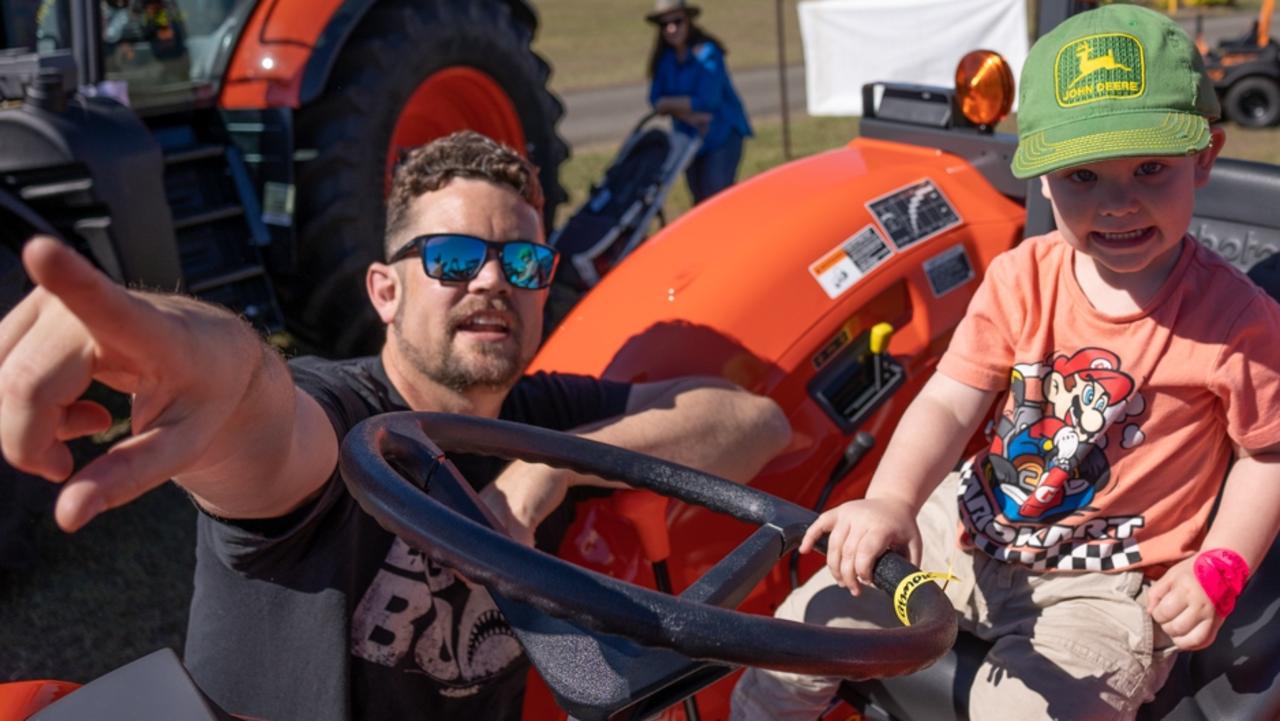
column 615, row 218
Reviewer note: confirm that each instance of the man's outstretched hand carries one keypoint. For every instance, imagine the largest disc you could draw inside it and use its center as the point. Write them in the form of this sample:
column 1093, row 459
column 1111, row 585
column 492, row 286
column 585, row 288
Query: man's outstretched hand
column 186, row 364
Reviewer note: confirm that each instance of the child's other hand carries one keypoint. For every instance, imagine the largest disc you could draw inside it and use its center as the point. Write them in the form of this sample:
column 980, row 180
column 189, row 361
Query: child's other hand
column 1180, row 606
column 860, row 531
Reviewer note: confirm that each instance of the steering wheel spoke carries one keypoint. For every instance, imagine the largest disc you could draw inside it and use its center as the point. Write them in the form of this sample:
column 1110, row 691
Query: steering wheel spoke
column 728, row 582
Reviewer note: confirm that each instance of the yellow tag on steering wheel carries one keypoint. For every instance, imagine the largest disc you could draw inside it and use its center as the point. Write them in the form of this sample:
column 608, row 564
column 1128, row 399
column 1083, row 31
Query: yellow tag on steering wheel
column 908, row 586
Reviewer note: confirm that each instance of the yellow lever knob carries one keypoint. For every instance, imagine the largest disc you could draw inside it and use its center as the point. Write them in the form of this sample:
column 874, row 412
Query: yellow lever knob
column 880, row 334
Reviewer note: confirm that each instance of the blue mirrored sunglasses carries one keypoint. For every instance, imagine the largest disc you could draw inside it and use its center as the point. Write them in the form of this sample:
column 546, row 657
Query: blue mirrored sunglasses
column 453, row 258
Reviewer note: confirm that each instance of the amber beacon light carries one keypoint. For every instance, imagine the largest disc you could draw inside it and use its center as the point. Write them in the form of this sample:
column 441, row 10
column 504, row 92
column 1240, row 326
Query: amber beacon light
column 984, row 87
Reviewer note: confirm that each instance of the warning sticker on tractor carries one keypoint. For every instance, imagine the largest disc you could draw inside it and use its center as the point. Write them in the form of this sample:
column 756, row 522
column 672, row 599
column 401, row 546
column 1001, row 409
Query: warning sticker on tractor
column 914, row 213
column 948, row 270
column 838, row 270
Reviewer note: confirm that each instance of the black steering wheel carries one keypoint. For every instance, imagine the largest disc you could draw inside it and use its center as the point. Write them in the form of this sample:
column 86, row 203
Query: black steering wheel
column 395, row 468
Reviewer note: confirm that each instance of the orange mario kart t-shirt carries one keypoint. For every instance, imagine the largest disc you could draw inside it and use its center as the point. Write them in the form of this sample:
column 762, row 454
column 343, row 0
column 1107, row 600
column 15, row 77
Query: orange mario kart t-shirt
column 1116, row 433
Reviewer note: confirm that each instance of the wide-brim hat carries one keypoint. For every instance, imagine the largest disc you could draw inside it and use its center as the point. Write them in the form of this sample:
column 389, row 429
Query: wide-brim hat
column 666, row 7
column 1118, row 81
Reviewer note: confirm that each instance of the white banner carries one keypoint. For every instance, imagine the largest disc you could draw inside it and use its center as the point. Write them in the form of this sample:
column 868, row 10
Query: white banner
column 848, row 43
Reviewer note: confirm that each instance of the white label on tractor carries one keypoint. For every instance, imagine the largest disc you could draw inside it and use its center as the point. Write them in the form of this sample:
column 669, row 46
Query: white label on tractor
column 840, row 269
column 914, row 213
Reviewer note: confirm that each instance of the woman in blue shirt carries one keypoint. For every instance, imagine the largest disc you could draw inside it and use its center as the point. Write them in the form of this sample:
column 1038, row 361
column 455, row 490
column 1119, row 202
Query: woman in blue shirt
column 690, row 82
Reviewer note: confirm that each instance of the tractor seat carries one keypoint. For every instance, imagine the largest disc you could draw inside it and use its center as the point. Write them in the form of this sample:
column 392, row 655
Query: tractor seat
column 1238, row 677
column 1248, row 41
column 1235, row 215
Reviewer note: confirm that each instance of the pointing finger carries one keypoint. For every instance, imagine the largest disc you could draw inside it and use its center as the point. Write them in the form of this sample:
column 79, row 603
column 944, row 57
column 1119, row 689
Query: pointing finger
column 107, row 309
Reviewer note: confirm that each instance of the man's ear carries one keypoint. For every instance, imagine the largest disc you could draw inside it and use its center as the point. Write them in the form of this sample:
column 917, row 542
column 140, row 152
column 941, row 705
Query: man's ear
column 1044, row 188
column 382, row 282
column 1205, row 158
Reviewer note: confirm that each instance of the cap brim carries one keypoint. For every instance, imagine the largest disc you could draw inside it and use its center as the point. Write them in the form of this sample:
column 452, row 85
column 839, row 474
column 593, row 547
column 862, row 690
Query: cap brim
column 1116, row 136
column 691, row 11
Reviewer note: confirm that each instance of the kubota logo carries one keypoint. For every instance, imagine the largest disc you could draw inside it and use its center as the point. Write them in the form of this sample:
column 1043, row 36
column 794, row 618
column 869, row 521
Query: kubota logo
column 1099, row 67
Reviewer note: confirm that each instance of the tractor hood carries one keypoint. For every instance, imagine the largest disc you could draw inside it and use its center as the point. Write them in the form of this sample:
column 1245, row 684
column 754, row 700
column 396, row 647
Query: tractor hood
column 755, row 283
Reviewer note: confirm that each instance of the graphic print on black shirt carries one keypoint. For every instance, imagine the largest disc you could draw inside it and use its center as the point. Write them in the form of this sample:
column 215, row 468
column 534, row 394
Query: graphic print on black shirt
column 420, row 616
column 323, row 615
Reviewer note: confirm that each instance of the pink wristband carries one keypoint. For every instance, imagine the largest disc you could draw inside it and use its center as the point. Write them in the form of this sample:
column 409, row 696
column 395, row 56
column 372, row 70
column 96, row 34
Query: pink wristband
column 1222, row 574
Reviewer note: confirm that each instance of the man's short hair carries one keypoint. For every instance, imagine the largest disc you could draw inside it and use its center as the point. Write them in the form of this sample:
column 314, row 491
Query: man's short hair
column 464, row 154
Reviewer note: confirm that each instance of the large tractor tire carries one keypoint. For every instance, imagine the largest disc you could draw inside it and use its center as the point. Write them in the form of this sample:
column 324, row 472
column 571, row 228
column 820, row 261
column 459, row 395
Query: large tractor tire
column 412, row 71
column 1253, row 101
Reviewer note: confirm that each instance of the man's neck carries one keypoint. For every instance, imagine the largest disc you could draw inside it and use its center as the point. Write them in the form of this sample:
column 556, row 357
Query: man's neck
column 424, row 394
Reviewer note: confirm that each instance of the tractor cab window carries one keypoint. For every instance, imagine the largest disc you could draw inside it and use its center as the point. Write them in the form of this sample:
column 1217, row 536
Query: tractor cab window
column 168, row 51
column 33, row 25
column 161, row 52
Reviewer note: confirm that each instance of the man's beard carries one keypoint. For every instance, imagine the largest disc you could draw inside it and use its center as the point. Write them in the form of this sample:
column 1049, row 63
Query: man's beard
column 489, row 367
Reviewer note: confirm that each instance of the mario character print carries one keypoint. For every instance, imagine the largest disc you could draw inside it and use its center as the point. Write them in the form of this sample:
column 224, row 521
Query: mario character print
column 1024, row 499
column 1045, row 460
column 1045, row 455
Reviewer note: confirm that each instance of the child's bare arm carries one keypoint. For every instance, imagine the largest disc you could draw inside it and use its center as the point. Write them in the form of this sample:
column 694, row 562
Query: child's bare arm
column 930, row 437
column 1247, row 520
column 1249, row 513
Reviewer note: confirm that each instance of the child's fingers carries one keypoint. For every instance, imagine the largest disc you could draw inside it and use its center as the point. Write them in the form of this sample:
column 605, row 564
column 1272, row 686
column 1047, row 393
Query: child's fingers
column 1181, row 623
column 1197, row 636
column 915, row 551
column 816, row 531
column 849, row 557
column 835, row 547
column 1158, row 591
column 1170, row 606
column 869, row 550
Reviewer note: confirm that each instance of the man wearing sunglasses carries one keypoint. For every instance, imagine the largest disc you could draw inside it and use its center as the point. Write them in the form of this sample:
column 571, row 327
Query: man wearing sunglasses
column 303, row 607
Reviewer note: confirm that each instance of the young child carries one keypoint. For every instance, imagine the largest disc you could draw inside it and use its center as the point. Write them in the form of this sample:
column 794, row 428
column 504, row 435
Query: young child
column 1134, row 366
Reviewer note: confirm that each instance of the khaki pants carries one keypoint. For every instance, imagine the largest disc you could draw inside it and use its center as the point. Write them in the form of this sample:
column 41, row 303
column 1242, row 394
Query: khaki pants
column 1064, row 646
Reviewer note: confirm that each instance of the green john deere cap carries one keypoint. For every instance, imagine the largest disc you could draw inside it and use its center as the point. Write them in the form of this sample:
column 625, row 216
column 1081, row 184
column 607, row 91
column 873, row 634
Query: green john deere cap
column 1118, row 81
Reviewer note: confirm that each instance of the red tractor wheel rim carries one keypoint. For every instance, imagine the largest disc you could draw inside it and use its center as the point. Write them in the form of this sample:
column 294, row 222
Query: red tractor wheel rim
column 453, row 99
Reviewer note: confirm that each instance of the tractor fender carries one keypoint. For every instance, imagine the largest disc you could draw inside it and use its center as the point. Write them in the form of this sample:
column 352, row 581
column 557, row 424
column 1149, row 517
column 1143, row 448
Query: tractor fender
column 94, row 173
column 315, row 76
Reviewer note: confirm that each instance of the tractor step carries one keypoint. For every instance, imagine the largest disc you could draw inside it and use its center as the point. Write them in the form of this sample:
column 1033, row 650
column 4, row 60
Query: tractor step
column 218, row 227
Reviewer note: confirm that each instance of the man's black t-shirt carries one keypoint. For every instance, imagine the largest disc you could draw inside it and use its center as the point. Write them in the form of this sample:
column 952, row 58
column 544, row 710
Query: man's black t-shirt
column 323, row 616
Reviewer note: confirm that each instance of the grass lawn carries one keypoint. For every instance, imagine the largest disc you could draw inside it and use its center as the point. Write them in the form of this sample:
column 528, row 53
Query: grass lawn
column 102, row 597
column 1252, row 144
column 607, row 42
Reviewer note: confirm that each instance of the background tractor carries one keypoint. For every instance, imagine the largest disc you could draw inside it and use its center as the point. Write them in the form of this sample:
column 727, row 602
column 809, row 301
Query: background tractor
column 240, row 149
column 1246, row 73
